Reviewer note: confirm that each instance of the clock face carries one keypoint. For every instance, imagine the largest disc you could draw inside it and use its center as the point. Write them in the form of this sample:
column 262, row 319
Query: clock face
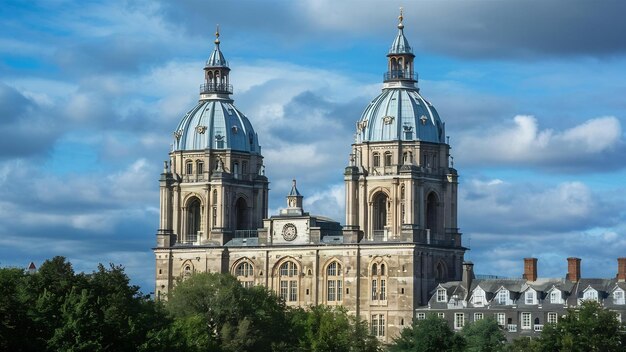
column 290, row 232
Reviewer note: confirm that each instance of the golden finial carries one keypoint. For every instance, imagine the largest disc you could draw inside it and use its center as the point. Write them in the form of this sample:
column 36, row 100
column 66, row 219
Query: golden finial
column 217, row 35
column 400, row 18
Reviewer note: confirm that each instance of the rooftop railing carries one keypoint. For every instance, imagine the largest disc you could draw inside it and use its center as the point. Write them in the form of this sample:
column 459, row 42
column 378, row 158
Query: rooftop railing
column 216, row 88
column 401, row 75
column 246, row 233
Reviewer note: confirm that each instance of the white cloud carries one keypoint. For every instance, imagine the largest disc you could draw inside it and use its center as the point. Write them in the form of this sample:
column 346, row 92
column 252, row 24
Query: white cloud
column 494, row 206
column 522, row 142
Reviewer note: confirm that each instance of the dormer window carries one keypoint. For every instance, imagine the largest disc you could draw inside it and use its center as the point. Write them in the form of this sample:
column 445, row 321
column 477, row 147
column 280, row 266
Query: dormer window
column 442, row 295
column 618, row 296
column 530, row 297
column 555, row 297
column 590, row 295
column 478, row 299
column 503, row 296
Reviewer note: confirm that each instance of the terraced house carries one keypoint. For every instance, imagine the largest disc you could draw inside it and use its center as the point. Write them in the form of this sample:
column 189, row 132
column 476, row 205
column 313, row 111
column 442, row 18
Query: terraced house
column 523, row 306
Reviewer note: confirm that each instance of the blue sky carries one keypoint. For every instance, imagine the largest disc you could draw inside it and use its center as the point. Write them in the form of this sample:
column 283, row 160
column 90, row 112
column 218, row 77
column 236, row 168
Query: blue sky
column 532, row 93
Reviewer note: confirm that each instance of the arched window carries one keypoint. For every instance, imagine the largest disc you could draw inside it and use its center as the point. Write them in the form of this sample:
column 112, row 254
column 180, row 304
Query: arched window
column 379, row 214
column 334, row 283
column 193, row 220
column 236, row 169
column 431, row 212
column 376, row 159
column 378, row 284
column 187, row 269
column 199, row 167
column 214, row 197
column 244, row 272
column 189, row 167
column 241, row 214
column 388, row 159
column 288, row 281
column 440, row 271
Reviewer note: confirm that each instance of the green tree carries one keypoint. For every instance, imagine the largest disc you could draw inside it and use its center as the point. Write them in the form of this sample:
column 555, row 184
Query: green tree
column 586, row 328
column 523, row 344
column 327, row 329
column 14, row 320
column 429, row 335
column 484, row 336
column 226, row 316
column 56, row 309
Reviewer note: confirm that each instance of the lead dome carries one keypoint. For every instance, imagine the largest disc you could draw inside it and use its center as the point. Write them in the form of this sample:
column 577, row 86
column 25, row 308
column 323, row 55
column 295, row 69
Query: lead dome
column 215, row 123
column 400, row 112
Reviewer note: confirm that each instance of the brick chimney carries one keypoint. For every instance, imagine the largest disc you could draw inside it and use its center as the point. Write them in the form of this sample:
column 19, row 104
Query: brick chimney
column 530, row 269
column 621, row 269
column 573, row 269
column 468, row 277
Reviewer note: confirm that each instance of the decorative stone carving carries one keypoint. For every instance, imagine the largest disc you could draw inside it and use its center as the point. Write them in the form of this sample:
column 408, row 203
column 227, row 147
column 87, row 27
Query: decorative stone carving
column 178, row 134
column 387, row 120
column 407, row 128
column 360, row 126
column 423, row 118
column 201, row 129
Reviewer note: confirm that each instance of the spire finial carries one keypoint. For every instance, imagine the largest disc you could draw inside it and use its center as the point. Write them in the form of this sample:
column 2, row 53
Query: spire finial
column 401, row 18
column 217, row 35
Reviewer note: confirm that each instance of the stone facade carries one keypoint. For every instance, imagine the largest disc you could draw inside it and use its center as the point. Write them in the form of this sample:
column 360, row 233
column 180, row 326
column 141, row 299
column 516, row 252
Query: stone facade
column 400, row 239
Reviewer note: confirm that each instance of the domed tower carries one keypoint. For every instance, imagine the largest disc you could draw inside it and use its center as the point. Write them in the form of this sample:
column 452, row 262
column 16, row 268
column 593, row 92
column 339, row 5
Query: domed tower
column 213, row 188
column 399, row 184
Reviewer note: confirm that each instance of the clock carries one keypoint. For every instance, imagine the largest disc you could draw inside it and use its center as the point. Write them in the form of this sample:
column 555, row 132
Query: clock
column 290, row 232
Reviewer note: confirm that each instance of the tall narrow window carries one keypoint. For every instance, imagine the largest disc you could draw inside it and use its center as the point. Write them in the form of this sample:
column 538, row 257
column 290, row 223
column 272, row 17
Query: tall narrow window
column 618, row 296
column 442, row 295
column 376, row 159
column 378, row 284
column 379, row 216
column 431, row 213
column 189, row 168
column 501, row 318
column 193, row 220
column 288, row 278
column 235, row 170
column 334, row 282
column 388, row 158
column 526, row 320
column 199, row 167
column 459, row 321
column 378, row 325
column 503, row 296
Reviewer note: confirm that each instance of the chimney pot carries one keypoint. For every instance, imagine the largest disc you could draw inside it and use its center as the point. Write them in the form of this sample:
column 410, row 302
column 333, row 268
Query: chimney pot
column 573, row 269
column 530, row 269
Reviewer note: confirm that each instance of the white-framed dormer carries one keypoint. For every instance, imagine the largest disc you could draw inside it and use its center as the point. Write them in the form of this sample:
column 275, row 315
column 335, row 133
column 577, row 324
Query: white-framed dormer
column 478, row 298
column 441, row 295
column 555, row 296
column 590, row 294
column 618, row 295
column 530, row 297
column 503, row 297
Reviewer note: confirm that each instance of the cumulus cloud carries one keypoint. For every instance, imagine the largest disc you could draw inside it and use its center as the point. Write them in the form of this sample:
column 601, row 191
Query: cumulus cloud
column 496, row 206
column 598, row 141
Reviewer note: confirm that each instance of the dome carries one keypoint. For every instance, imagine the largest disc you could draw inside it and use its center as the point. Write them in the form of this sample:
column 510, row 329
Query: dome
column 215, row 124
column 400, row 114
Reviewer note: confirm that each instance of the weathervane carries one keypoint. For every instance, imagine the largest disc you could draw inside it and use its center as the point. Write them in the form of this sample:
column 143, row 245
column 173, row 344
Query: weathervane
column 217, row 35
